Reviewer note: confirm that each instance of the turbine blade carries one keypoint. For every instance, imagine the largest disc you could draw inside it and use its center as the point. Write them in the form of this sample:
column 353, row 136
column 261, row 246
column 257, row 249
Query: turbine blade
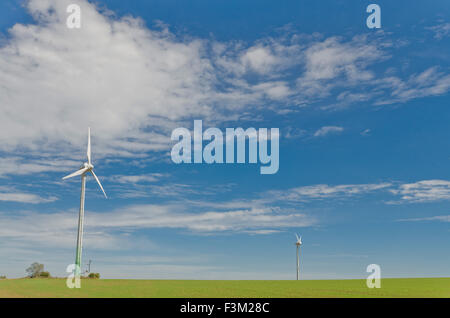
column 98, row 181
column 89, row 146
column 76, row 173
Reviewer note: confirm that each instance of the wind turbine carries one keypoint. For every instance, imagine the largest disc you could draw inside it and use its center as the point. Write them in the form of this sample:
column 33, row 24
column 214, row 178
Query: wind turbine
column 298, row 244
column 84, row 169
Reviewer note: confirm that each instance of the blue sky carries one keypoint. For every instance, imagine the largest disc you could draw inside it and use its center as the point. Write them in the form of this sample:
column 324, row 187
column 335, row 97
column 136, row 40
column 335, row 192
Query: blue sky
column 364, row 135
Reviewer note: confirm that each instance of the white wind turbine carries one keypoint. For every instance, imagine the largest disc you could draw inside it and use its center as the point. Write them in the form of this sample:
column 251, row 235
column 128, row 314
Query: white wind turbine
column 85, row 168
column 298, row 244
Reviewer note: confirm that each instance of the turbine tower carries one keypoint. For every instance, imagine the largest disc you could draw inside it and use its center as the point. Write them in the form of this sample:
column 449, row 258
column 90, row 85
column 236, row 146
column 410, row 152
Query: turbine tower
column 84, row 169
column 298, row 244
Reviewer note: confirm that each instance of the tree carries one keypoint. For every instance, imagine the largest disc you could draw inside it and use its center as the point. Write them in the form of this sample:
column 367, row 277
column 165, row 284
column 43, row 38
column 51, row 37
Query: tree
column 35, row 269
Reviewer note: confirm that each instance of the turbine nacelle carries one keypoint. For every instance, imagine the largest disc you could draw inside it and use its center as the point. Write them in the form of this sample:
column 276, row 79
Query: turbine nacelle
column 87, row 165
column 299, row 240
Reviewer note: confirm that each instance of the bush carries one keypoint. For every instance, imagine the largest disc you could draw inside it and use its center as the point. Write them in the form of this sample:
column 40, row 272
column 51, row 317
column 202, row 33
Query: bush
column 3, row 277
column 44, row 274
column 94, row 275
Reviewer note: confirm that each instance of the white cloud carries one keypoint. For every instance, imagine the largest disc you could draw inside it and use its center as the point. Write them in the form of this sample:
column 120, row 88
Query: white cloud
column 262, row 232
column 324, row 191
column 326, row 130
column 259, row 59
column 156, row 216
column 293, row 133
column 274, row 90
column 421, row 191
column 170, row 190
column 117, row 229
column 441, row 218
column 14, row 165
column 144, row 178
column 332, row 58
column 417, row 192
column 424, row 191
column 23, row 197
column 430, row 82
column 268, row 57
column 441, row 30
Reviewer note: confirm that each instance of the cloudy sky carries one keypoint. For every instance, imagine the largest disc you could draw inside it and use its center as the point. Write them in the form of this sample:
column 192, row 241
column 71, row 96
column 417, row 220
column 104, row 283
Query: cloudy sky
column 364, row 137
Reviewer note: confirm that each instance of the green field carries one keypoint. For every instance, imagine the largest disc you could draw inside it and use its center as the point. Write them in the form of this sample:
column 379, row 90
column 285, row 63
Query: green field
column 411, row 287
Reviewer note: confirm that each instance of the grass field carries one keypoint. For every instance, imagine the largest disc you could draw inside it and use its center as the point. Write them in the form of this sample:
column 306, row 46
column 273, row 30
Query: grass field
column 411, row 287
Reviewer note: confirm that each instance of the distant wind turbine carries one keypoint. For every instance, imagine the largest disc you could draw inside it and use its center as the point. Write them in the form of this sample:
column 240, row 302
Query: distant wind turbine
column 298, row 244
column 85, row 168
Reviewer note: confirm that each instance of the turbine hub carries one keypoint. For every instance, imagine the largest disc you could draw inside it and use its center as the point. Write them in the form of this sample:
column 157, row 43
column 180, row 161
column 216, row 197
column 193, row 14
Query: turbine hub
column 88, row 166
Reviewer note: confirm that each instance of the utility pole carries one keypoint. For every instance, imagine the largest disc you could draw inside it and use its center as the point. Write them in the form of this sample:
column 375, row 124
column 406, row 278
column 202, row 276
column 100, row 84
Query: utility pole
column 89, row 266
